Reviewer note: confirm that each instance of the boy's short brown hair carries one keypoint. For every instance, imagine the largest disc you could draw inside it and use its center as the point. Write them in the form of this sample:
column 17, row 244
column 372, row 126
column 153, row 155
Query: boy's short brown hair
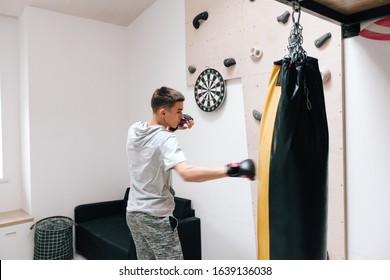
column 165, row 97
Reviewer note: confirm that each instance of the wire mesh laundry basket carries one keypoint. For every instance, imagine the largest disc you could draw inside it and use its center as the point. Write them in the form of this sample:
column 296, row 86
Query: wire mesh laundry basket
column 53, row 238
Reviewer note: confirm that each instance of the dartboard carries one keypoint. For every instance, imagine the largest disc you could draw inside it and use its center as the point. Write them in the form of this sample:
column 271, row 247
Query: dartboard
column 209, row 90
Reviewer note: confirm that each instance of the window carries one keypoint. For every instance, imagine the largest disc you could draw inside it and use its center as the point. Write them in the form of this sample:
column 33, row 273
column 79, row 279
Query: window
column 1, row 142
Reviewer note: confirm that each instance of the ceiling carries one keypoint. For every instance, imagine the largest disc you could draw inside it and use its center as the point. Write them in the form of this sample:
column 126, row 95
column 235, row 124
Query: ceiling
column 120, row 12
column 123, row 12
column 345, row 12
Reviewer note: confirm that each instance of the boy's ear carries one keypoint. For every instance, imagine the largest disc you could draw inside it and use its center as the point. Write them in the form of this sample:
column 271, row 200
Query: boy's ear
column 162, row 112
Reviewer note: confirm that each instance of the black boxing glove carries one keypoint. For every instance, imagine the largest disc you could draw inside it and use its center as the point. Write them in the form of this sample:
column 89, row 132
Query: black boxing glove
column 244, row 168
column 183, row 121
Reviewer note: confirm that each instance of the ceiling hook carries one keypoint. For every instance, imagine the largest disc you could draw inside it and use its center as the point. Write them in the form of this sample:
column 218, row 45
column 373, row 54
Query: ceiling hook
column 296, row 6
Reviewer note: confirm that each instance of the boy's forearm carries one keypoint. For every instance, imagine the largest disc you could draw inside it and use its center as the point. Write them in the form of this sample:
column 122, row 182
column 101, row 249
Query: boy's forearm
column 191, row 173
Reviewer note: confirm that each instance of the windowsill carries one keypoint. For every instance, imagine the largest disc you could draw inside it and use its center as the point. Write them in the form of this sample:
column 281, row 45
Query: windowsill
column 14, row 218
column 3, row 180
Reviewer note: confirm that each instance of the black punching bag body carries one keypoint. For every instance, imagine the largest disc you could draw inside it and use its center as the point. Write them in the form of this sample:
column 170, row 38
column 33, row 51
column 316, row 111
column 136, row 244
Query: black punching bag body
column 293, row 164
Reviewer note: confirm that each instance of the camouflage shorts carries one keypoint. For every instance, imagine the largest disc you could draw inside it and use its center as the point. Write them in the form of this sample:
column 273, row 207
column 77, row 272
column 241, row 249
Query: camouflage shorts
column 155, row 238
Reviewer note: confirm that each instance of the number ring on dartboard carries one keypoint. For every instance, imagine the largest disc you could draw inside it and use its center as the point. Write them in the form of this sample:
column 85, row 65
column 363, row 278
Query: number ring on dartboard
column 209, row 90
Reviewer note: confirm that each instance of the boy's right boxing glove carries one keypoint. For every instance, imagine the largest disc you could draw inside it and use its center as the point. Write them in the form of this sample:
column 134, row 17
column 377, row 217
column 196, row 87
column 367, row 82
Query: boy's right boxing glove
column 183, row 121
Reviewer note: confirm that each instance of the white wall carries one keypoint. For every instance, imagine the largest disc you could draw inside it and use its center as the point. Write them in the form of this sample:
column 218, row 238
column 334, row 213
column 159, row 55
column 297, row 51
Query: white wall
column 224, row 206
column 156, row 53
column 157, row 58
column 367, row 99
column 74, row 89
column 10, row 190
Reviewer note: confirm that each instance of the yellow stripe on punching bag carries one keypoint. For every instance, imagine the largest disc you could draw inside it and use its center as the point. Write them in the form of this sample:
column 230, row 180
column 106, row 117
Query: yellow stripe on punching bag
column 266, row 134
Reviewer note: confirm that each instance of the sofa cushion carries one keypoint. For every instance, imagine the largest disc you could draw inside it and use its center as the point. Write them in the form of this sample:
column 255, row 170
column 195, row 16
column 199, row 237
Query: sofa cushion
column 108, row 237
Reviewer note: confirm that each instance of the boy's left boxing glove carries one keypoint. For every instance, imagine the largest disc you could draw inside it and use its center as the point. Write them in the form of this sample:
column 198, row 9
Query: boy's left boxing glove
column 244, row 168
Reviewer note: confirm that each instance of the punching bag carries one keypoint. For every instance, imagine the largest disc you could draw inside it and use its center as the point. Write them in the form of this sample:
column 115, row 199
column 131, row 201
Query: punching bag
column 293, row 164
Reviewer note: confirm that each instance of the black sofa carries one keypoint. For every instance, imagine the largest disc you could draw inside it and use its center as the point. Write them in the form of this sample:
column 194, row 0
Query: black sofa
column 101, row 231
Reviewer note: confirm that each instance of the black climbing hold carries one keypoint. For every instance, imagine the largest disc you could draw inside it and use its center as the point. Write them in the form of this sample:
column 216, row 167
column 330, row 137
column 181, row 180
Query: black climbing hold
column 191, row 69
column 229, row 62
column 284, row 17
column 320, row 41
column 201, row 16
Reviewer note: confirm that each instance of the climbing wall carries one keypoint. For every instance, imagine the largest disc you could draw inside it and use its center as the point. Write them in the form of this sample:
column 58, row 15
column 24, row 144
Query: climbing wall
column 253, row 35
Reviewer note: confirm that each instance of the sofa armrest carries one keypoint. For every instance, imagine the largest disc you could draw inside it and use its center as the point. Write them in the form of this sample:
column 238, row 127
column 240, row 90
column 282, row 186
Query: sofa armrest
column 96, row 210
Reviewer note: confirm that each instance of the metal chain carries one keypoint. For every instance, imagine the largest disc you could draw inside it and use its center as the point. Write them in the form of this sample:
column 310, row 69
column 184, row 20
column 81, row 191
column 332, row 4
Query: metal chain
column 295, row 40
column 306, row 90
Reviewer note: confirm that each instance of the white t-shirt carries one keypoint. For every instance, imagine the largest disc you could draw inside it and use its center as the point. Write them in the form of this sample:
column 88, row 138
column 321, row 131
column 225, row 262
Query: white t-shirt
column 152, row 152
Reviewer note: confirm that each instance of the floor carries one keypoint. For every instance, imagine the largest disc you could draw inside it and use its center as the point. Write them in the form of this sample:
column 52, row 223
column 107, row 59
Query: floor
column 78, row 257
